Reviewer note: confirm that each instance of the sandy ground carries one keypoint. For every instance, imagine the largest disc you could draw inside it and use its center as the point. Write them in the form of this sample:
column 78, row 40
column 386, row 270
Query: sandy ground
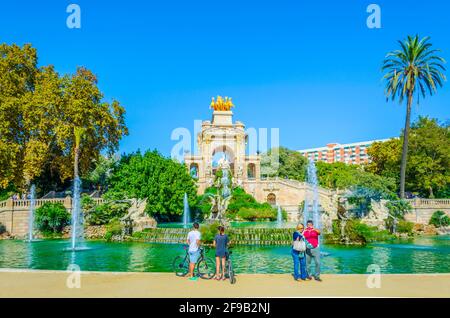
column 26, row 283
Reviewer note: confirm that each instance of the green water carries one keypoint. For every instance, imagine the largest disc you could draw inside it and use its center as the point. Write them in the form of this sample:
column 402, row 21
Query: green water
column 423, row 255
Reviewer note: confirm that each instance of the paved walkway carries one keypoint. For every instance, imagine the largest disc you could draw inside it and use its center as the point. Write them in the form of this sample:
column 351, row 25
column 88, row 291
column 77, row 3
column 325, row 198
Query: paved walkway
column 18, row 283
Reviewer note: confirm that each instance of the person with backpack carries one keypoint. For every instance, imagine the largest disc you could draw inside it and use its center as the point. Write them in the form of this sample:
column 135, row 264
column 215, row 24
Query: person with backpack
column 298, row 252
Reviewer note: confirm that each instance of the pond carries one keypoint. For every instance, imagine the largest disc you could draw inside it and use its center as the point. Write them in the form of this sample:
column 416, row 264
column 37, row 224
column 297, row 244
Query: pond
column 422, row 255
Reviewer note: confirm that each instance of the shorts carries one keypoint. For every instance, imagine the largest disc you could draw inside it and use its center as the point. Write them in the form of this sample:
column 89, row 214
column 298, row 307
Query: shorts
column 194, row 256
column 221, row 253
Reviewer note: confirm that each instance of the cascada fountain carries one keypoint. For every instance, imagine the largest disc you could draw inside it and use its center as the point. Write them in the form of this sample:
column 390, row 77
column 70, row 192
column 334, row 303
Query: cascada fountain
column 311, row 207
column 220, row 200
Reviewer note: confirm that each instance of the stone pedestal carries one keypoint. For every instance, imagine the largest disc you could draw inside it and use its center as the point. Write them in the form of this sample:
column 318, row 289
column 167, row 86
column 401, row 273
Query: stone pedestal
column 222, row 118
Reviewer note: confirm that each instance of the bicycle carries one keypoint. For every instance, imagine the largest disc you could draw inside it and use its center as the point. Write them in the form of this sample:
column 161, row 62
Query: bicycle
column 229, row 267
column 205, row 267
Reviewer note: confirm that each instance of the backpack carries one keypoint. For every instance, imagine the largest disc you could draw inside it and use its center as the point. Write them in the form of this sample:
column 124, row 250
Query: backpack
column 299, row 245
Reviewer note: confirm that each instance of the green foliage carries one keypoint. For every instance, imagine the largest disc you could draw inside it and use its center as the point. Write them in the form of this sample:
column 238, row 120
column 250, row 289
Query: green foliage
column 439, row 218
column 114, row 227
column 264, row 212
column 357, row 233
column 284, row 163
column 405, row 227
column 397, row 210
column 239, row 200
column 7, row 192
column 339, row 175
column 428, row 158
column 161, row 180
column 51, row 218
column 244, row 206
column 209, row 231
column 103, row 213
column 203, row 204
column 39, row 109
column 102, row 171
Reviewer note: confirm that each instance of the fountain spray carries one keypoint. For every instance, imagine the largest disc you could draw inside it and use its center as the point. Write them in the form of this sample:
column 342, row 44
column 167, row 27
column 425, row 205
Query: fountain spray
column 31, row 212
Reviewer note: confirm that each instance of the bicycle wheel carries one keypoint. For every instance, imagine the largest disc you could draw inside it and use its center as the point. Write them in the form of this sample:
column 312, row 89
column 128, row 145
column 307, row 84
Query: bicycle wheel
column 231, row 275
column 206, row 268
column 180, row 266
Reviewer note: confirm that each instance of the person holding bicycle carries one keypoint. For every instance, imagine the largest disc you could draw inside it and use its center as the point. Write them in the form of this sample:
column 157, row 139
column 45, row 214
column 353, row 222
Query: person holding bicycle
column 193, row 240
column 220, row 243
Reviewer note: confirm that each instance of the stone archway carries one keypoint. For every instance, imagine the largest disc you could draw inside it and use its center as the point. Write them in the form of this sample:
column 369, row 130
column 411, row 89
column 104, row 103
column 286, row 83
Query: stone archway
column 222, row 151
column 272, row 199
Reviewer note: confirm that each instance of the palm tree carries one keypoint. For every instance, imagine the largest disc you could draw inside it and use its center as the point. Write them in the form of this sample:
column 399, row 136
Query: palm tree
column 415, row 67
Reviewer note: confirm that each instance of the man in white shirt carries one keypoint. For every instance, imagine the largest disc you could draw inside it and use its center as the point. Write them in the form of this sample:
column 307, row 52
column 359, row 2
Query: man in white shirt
column 193, row 240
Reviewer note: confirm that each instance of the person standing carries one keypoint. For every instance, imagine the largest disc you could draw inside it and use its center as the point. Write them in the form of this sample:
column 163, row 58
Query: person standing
column 193, row 240
column 298, row 252
column 220, row 243
column 313, row 254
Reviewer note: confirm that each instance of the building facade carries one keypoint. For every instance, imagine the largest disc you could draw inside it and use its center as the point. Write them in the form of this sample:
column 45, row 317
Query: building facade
column 353, row 153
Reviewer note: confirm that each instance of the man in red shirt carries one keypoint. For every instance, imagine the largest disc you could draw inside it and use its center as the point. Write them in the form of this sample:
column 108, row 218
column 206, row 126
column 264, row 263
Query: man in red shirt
column 312, row 236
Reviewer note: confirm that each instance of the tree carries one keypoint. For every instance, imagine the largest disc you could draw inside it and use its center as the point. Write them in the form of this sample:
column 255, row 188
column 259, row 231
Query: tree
column 39, row 110
column 385, row 158
column 102, row 171
column 413, row 68
column 291, row 164
column 428, row 158
column 52, row 218
column 18, row 67
column 161, row 180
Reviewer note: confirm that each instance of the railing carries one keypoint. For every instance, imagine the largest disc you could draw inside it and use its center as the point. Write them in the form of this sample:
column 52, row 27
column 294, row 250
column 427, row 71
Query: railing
column 25, row 204
column 428, row 202
column 298, row 184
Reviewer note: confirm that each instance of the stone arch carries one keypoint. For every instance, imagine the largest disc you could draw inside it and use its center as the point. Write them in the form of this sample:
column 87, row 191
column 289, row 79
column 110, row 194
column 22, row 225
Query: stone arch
column 272, row 199
column 220, row 150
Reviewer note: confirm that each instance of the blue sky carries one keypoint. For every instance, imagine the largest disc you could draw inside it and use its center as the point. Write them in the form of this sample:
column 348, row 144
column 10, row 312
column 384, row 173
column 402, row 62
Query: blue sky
column 310, row 68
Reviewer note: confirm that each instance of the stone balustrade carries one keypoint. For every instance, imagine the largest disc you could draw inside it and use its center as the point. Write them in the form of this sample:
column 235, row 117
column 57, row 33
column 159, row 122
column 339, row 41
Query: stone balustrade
column 14, row 214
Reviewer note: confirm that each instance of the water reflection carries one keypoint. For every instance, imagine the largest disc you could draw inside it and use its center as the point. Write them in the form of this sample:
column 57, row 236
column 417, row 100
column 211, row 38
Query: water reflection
column 424, row 255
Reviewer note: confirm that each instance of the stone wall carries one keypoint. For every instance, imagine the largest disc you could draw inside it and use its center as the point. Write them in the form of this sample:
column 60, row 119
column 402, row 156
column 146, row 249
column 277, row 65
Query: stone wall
column 14, row 214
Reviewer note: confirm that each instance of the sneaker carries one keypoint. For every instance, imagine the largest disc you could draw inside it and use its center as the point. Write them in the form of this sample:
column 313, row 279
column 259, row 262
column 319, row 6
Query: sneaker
column 318, row 279
column 193, row 278
column 309, row 278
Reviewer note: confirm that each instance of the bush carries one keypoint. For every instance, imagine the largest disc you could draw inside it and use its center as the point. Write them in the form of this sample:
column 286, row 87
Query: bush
column 51, row 218
column 265, row 212
column 114, row 227
column 358, row 232
column 209, row 231
column 405, row 227
column 397, row 210
column 439, row 218
column 2, row 228
column 104, row 213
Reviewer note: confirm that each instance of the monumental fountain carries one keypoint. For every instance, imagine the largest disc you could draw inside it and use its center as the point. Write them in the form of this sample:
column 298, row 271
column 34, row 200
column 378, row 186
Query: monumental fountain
column 220, row 200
